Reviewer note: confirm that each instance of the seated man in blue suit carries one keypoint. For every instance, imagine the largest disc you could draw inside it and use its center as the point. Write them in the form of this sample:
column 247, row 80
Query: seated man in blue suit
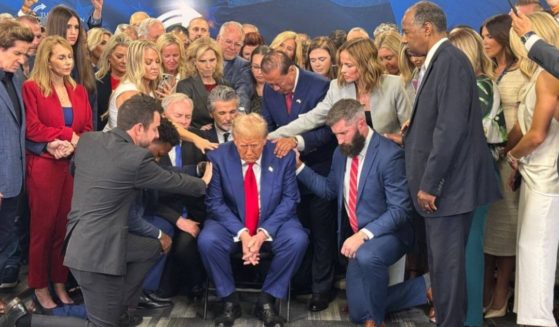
column 251, row 203
column 368, row 179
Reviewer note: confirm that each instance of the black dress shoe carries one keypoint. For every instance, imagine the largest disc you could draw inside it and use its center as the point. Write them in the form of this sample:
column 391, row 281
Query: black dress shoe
column 268, row 315
column 319, row 302
column 231, row 311
column 158, row 298
column 14, row 310
column 148, row 303
column 130, row 320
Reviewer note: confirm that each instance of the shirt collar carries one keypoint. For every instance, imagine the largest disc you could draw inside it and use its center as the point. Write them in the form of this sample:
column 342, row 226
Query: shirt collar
column 363, row 152
column 432, row 52
column 256, row 163
column 296, row 79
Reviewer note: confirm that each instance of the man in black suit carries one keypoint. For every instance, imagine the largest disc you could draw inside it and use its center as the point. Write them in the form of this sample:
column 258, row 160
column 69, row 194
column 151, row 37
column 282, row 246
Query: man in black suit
column 448, row 164
column 223, row 105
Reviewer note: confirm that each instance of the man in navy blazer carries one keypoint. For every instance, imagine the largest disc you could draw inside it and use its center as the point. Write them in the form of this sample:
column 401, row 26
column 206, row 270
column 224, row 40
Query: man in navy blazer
column 251, row 203
column 16, row 40
column 288, row 93
column 448, row 165
column 369, row 183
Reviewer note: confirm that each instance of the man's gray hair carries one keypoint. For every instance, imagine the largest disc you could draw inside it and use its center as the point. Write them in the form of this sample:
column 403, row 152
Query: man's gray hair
column 429, row 12
column 345, row 109
column 221, row 93
column 144, row 26
column 175, row 97
column 231, row 24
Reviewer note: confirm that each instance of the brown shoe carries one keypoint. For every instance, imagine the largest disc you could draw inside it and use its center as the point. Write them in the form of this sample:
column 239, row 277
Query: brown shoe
column 370, row 323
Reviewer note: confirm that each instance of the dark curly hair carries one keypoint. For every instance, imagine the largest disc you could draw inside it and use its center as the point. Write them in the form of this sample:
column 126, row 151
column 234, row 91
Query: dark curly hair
column 167, row 133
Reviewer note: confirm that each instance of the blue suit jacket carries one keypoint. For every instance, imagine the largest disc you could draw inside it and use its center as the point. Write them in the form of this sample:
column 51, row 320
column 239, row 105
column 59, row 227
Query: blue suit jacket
column 311, row 89
column 12, row 142
column 237, row 73
column 383, row 201
column 225, row 200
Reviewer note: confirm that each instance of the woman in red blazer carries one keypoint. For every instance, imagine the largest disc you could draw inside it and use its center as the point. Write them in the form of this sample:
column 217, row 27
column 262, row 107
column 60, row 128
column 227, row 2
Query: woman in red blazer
column 56, row 109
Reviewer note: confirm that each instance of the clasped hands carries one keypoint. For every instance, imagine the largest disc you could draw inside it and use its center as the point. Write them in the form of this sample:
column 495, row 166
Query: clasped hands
column 251, row 247
column 60, row 149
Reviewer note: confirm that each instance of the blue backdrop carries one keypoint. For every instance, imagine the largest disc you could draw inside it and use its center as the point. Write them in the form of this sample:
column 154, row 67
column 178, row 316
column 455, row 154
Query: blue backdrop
column 315, row 17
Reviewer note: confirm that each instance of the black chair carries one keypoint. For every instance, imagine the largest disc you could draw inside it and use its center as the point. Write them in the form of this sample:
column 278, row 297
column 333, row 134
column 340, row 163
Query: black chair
column 249, row 279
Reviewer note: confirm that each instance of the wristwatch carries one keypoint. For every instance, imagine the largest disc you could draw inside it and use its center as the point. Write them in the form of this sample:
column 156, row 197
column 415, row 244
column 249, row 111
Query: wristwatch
column 526, row 36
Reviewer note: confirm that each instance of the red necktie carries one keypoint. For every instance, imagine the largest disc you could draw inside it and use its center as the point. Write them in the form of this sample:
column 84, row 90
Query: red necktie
column 289, row 101
column 251, row 200
column 352, row 202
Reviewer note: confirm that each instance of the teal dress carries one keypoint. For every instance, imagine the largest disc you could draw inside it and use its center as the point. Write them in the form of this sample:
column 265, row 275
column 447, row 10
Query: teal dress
column 474, row 246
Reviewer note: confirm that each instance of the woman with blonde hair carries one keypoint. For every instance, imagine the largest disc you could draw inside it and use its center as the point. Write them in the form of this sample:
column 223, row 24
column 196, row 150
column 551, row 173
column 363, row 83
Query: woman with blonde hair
column 289, row 43
column 321, row 57
column 57, row 108
column 360, row 77
column 204, row 71
column 388, row 44
column 112, row 67
column 467, row 40
column 410, row 66
column 141, row 76
column 173, row 58
column 97, row 39
column 534, row 146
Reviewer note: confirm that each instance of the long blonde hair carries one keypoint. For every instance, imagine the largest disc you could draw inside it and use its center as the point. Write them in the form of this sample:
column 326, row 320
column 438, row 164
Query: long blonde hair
column 290, row 35
column 546, row 27
column 135, row 65
column 365, row 55
column 95, row 37
column 196, row 49
column 41, row 73
column 167, row 39
column 405, row 65
column 467, row 40
column 103, row 64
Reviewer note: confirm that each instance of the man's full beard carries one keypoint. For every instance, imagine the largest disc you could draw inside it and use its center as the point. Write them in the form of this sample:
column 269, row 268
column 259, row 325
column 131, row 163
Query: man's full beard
column 353, row 149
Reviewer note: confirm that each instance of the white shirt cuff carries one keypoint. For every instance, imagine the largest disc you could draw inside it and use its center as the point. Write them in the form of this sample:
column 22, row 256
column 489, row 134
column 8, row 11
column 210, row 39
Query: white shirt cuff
column 368, row 233
column 160, row 234
column 300, row 143
column 238, row 237
column 531, row 41
column 268, row 237
column 300, row 169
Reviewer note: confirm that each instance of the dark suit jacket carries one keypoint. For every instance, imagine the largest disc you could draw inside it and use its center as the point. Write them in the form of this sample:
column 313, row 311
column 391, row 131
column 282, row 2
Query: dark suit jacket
column 195, row 89
column 103, row 95
column 446, row 151
column 320, row 142
column 383, row 201
column 109, row 171
column 45, row 118
column 237, row 72
column 545, row 55
column 225, row 200
column 12, row 142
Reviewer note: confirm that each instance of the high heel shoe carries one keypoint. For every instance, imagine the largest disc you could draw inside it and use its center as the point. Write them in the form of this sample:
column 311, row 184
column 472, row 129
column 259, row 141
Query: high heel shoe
column 501, row 312
column 39, row 307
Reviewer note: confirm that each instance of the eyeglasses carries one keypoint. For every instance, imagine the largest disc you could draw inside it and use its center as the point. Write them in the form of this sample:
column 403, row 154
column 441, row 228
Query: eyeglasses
column 234, row 44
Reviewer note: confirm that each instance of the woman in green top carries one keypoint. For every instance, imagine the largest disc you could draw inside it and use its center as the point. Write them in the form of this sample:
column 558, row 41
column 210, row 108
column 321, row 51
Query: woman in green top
column 470, row 43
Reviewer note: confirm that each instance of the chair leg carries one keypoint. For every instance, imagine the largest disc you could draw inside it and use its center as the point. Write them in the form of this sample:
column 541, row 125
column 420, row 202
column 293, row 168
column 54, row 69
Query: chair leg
column 206, row 299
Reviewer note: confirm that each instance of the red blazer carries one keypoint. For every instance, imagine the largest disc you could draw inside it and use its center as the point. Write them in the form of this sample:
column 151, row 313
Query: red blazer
column 45, row 117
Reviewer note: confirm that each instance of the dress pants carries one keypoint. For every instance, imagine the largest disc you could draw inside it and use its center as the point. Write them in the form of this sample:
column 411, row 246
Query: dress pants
column 49, row 187
column 106, row 297
column 153, row 277
column 288, row 246
column 318, row 216
column 446, row 248
column 475, row 268
column 367, row 278
column 9, row 213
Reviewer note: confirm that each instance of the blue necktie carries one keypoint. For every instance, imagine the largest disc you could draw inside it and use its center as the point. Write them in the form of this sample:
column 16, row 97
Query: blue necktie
column 178, row 156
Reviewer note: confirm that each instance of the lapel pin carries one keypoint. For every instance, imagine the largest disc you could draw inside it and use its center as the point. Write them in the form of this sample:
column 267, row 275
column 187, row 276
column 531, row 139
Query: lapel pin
column 298, row 100
column 271, row 169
